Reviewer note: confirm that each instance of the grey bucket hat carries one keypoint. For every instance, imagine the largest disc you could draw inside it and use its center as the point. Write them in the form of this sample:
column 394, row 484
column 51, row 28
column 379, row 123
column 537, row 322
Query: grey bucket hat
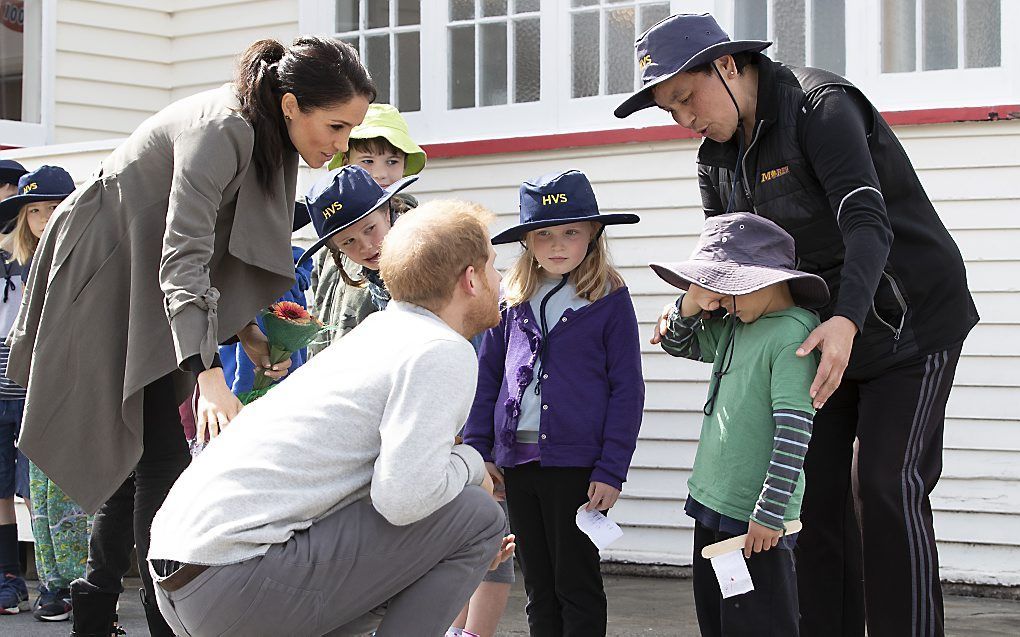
column 739, row 253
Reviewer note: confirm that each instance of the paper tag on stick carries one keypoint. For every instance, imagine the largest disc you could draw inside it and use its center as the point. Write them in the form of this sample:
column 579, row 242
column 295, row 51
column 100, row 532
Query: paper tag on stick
column 598, row 527
column 731, row 571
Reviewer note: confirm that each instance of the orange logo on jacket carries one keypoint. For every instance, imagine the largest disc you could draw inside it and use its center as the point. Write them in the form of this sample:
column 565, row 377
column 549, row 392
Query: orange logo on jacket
column 769, row 175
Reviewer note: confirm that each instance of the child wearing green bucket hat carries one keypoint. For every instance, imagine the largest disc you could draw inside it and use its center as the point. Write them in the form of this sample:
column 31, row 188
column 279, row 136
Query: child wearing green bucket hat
column 382, row 146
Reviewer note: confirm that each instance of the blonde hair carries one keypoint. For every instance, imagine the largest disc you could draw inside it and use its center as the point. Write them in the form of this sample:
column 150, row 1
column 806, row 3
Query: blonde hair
column 425, row 254
column 20, row 243
column 594, row 277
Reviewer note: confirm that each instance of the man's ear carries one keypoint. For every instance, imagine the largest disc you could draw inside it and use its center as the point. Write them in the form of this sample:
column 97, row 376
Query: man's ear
column 467, row 281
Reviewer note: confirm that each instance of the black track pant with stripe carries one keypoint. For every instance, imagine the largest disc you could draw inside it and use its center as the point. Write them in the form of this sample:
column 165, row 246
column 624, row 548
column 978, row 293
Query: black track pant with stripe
column 887, row 574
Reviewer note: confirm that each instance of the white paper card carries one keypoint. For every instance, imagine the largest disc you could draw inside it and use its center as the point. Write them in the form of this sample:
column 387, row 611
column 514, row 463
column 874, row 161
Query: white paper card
column 731, row 571
column 598, row 527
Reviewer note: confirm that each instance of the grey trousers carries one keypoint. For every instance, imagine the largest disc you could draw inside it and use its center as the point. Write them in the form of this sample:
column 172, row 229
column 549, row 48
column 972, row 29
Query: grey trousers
column 348, row 574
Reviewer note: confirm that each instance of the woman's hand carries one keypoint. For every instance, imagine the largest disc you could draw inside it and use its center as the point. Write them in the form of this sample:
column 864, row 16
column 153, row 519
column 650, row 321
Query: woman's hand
column 256, row 346
column 217, row 405
column 760, row 538
column 601, row 496
column 834, row 338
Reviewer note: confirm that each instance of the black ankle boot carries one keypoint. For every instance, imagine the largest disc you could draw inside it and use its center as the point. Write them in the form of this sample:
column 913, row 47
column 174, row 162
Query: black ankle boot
column 94, row 614
column 157, row 625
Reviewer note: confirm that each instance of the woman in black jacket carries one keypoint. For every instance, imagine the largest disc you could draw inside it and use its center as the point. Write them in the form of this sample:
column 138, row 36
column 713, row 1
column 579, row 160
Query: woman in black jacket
column 806, row 149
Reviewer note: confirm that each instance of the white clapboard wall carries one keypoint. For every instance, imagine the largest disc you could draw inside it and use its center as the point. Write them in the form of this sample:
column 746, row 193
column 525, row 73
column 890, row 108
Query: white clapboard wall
column 971, row 171
column 116, row 63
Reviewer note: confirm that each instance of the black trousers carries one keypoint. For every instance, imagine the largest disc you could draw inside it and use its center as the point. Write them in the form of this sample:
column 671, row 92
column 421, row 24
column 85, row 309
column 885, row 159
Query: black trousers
column 560, row 564
column 769, row 610
column 120, row 529
column 882, row 568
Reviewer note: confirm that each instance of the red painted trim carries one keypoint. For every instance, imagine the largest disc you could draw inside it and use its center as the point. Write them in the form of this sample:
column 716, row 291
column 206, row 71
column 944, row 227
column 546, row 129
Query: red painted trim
column 674, row 132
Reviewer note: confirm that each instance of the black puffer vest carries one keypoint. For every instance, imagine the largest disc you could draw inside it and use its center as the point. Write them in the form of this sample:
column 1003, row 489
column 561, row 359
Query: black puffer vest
column 922, row 303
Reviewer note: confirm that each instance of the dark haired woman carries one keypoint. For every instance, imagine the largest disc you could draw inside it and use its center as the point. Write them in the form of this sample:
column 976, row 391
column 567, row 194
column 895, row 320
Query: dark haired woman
column 181, row 236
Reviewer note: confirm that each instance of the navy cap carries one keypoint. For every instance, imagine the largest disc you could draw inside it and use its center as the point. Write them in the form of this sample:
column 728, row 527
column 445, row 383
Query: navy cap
column 46, row 183
column 557, row 199
column 10, row 171
column 344, row 197
column 679, row 43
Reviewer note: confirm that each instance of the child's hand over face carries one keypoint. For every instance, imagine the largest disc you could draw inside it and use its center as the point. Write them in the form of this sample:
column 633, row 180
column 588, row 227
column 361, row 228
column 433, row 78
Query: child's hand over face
column 705, row 299
column 760, row 538
column 601, row 496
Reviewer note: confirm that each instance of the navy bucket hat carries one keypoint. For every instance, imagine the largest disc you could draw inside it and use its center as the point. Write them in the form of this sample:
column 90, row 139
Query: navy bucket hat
column 679, row 43
column 740, row 253
column 557, row 199
column 10, row 171
column 46, row 183
column 344, row 197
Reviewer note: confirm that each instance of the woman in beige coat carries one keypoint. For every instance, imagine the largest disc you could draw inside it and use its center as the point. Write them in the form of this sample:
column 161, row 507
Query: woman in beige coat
column 168, row 250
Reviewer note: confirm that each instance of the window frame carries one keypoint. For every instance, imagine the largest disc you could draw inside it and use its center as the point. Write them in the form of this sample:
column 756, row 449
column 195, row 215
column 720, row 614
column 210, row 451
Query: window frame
column 15, row 134
column 556, row 112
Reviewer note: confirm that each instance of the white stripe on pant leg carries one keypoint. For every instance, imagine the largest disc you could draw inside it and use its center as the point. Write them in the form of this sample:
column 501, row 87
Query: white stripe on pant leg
column 904, row 488
column 941, row 359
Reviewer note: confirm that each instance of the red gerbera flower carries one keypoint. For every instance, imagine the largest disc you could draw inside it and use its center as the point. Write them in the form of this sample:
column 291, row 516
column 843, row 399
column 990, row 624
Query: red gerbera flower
column 290, row 311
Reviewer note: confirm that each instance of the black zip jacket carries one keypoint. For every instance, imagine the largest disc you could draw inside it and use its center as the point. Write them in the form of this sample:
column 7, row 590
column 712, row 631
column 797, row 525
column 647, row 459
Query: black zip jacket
column 825, row 166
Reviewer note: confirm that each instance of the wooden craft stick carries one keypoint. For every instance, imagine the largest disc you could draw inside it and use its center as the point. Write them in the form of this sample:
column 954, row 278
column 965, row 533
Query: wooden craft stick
column 735, row 543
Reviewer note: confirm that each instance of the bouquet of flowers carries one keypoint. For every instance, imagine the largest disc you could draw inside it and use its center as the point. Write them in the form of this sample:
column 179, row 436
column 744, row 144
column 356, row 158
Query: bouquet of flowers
column 288, row 327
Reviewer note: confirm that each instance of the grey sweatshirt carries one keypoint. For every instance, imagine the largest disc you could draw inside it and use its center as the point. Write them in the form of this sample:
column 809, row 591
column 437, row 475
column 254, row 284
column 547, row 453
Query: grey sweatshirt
column 375, row 414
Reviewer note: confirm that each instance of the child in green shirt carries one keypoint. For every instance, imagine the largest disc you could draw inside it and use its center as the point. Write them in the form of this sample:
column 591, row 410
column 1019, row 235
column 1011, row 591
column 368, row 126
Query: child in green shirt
column 743, row 311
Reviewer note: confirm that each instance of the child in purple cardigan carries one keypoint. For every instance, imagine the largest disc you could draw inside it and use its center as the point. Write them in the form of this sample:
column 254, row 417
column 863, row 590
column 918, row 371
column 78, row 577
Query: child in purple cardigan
column 560, row 396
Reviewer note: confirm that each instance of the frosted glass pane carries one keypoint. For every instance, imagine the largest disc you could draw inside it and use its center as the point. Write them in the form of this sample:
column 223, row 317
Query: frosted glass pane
column 348, row 15
column 940, row 49
column 789, row 28
column 527, row 61
column 899, row 26
column 828, row 36
column 983, row 33
column 462, row 9
column 650, row 14
column 523, row 6
column 378, row 13
column 585, row 61
column 492, row 49
column 408, row 71
column 493, row 7
column 408, row 12
column 377, row 61
column 620, row 51
column 750, row 20
column 462, row 67
column 584, row 3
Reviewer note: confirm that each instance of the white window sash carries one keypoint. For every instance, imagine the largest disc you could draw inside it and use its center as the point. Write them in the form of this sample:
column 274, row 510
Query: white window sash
column 37, row 87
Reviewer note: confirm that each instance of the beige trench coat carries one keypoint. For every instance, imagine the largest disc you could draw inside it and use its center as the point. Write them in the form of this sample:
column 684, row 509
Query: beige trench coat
column 169, row 249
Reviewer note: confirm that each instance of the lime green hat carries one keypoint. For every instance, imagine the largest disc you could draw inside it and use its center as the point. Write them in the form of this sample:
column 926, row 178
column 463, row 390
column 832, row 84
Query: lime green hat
column 383, row 120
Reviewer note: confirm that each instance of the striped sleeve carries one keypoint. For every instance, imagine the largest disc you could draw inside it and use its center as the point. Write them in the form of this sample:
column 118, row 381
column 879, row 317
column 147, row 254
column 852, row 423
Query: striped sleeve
column 789, row 446
column 681, row 337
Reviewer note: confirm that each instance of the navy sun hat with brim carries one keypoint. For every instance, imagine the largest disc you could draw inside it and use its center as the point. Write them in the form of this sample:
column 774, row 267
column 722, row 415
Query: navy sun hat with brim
column 344, row 197
column 557, row 199
column 739, row 253
column 46, row 183
column 676, row 44
column 301, row 218
column 10, row 171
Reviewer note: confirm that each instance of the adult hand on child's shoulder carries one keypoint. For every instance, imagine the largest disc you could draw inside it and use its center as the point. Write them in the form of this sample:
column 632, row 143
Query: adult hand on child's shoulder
column 601, row 496
column 834, row 338
column 760, row 538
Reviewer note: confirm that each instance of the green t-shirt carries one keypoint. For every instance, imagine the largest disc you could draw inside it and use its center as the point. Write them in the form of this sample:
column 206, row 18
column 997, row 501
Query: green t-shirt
column 737, row 438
